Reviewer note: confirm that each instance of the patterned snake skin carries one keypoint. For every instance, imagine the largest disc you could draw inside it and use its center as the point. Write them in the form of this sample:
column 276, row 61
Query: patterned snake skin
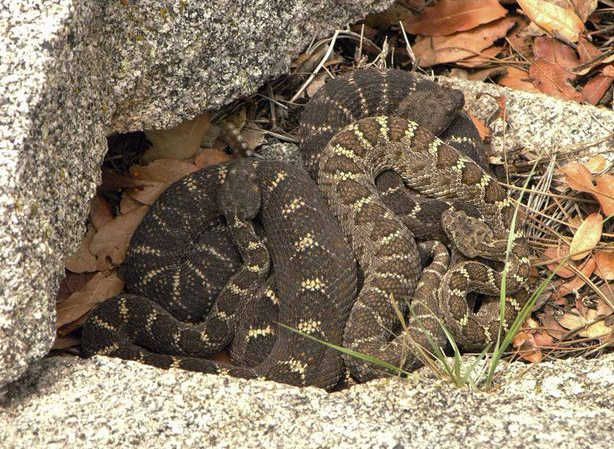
column 198, row 268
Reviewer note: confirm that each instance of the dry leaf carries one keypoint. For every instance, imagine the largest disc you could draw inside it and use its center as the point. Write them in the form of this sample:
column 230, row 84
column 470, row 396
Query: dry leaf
column 442, row 49
column 553, row 80
column 100, row 211
column 551, row 325
column 576, row 283
column 451, row 16
column 517, row 79
column 587, row 236
column 162, row 170
column 559, row 253
column 483, row 129
column 587, row 51
column 604, row 193
column 559, row 22
column 485, row 57
column 597, row 164
column 83, row 261
column 555, row 52
column 574, row 321
column 578, row 177
column 100, row 287
column 595, row 89
column 605, row 264
column 112, row 239
column 211, row 156
column 608, row 70
column 179, row 142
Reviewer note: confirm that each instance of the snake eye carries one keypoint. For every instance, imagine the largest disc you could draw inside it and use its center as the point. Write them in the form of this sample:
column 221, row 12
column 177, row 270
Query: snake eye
column 228, row 150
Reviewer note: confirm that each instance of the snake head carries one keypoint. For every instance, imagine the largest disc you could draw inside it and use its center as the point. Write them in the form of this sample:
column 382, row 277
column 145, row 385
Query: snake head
column 239, row 195
column 468, row 234
column 433, row 108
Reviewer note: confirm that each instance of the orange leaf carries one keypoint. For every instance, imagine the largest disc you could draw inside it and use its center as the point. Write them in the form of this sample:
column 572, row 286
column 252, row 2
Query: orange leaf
column 605, row 264
column 587, row 51
column 517, row 79
column 553, row 80
column 483, row 129
column 442, row 49
column 555, row 52
column 559, row 22
column 576, row 283
column 604, row 193
column 587, row 236
column 559, row 254
column 595, row 89
column 578, row 177
column 450, row 16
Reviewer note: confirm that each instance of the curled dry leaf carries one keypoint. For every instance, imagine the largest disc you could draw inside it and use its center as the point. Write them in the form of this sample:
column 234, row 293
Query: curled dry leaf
column 451, row 16
column 529, row 340
column 587, row 236
column 557, row 21
column 162, row 170
column 483, row 129
column 574, row 320
column 605, row 264
column 112, row 239
column 442, row 49
column 179, row 142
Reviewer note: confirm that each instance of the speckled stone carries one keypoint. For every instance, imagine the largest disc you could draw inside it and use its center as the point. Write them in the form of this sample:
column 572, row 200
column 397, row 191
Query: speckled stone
column 73, row 72
column 539, row 123
column 102, row 402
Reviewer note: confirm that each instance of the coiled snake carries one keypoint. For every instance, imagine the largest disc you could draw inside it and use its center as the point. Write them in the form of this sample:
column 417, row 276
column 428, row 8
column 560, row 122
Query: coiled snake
column 369, row 140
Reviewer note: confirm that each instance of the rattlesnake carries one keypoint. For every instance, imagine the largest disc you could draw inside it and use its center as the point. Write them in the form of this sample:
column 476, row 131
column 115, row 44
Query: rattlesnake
column 345, row 153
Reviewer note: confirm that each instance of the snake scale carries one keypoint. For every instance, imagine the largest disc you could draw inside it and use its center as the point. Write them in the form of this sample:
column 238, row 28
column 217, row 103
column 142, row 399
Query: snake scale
column 199, row 266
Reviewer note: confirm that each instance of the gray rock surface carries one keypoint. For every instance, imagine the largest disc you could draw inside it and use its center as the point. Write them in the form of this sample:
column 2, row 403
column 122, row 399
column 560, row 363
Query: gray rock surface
column 72, row 72
column 104, row 402
column 542, row 124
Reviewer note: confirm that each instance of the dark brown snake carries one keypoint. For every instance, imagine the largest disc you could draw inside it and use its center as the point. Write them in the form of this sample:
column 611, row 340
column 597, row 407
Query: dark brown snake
column 388, row 180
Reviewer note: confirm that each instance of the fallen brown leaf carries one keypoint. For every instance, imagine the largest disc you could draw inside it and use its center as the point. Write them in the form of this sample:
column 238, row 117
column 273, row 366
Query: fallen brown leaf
column 559, row 22
column 577, row 282
column 100, row 211
column 451, row 16
column 517, row 79
column 211, row 156
column 595, row 89
column 555, row 52
column 83, row 261
column 559, row 253
column 162, row 170
column 112, row 239
column 452, row 48
column 587, row 236
column 485, row 57
column 483, row 129
column 179, row 142
column 102, row 286
column 578, row 177
column 604, row 193
column 553, row 80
